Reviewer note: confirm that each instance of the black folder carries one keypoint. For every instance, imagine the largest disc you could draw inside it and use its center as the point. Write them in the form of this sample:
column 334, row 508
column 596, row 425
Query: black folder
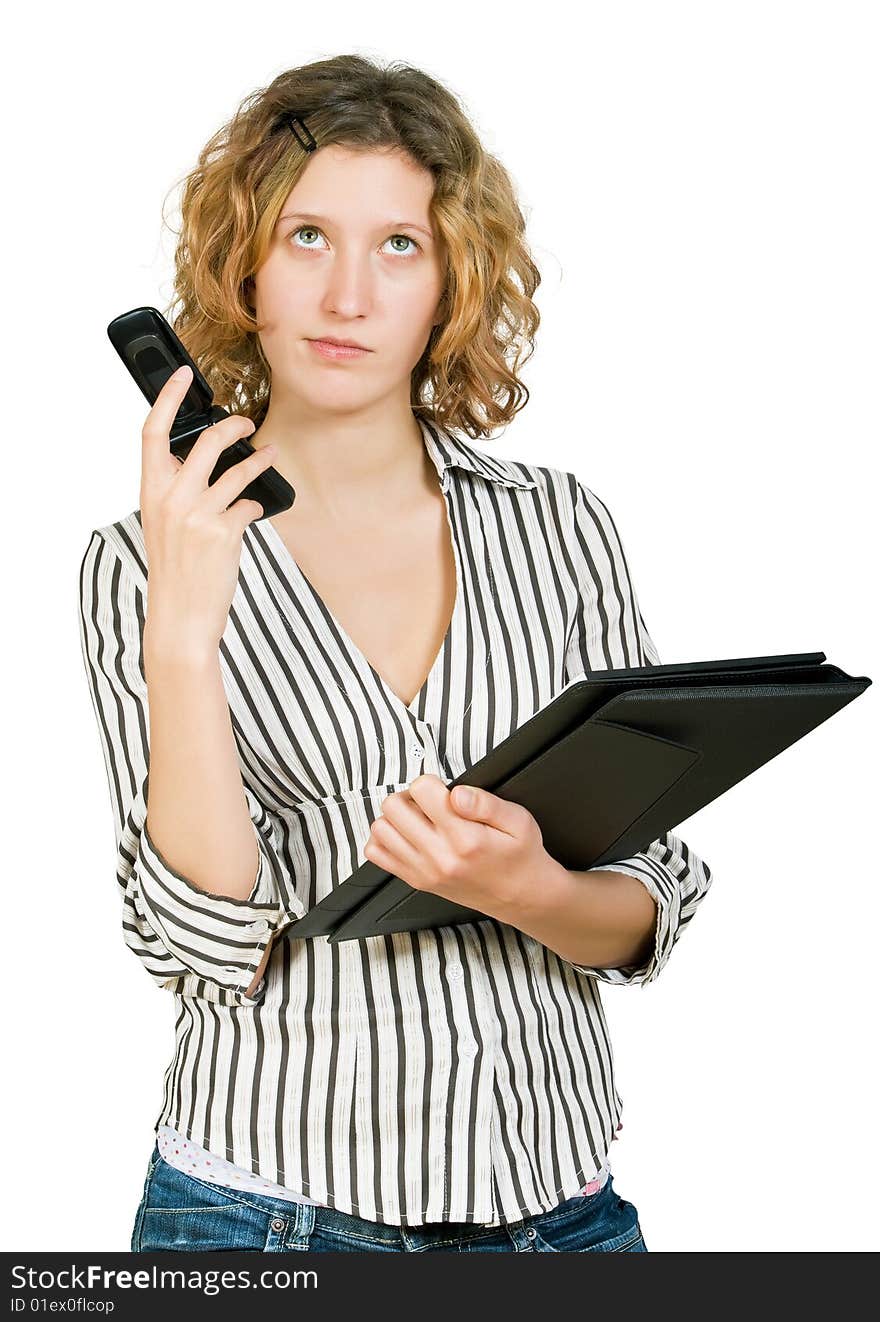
column 617, row 758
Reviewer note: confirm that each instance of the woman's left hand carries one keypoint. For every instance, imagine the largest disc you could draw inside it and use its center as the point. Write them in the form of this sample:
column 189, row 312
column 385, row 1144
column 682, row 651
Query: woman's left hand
column 487, row 855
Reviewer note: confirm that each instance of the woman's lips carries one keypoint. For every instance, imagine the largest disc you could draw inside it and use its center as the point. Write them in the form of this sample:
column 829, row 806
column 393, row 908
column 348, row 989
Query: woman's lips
column 339, row 351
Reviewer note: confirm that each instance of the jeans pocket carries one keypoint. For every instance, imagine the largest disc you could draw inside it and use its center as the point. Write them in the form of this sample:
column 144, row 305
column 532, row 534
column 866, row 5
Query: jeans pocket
column 202, row 1229
column 605, row 1223
column 184, row 1214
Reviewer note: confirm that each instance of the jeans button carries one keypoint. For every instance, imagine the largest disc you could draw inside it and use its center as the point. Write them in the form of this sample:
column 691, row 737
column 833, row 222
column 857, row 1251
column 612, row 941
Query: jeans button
column 277, row 1224
column 531, row 1232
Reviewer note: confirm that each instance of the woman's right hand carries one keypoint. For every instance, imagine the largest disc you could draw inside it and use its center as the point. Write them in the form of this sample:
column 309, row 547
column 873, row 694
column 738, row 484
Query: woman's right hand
column 193, row 541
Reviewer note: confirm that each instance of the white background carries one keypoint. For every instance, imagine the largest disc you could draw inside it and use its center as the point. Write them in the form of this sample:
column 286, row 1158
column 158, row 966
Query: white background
column 701, row 189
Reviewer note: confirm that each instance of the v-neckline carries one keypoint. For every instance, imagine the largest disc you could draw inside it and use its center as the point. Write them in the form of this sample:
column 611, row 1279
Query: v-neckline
column 300, row 577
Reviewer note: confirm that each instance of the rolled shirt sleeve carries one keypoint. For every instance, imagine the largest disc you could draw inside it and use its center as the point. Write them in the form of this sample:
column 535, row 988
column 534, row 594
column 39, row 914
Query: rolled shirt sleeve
column 190, row 940
column 610, row 633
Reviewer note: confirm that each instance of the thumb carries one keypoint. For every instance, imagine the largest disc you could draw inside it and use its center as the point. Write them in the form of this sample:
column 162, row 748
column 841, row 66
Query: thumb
column 479, row 805
column 468, row 801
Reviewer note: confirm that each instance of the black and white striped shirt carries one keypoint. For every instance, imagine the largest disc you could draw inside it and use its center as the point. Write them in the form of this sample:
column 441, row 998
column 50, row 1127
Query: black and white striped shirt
column 462, row 1073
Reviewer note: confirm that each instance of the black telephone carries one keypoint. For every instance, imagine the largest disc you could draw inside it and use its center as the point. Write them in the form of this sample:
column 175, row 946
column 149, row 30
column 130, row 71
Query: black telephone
column 152, row 351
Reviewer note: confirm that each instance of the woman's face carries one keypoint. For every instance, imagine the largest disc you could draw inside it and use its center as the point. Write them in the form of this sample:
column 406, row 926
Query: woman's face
column 367, row 267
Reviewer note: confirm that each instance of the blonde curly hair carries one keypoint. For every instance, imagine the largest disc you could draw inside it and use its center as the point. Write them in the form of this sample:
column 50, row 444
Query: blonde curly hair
column 467, row 376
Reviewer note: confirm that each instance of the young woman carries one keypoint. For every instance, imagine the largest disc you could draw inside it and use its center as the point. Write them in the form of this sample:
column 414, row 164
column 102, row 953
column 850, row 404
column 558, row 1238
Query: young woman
column 303, row 688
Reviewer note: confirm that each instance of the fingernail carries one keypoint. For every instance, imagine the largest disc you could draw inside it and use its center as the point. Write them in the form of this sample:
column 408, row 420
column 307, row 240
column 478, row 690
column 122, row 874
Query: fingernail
column 181, row 372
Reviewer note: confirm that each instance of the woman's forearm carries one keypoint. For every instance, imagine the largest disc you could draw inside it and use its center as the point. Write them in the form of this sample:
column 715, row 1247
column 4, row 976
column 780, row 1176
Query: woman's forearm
column 197, row 814
column 598, row 919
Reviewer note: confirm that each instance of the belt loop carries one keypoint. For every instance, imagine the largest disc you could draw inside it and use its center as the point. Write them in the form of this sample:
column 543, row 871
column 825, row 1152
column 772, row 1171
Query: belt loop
column 303, row 1223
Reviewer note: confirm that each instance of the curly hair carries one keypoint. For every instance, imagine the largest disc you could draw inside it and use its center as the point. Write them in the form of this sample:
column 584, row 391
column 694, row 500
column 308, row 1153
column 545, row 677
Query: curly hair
column 467, row 376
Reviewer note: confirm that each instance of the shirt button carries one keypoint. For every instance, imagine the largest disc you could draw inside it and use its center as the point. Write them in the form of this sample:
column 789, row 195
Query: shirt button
column 418, row 751
column 469, row 1049
column 454, row 971
column 259, row 925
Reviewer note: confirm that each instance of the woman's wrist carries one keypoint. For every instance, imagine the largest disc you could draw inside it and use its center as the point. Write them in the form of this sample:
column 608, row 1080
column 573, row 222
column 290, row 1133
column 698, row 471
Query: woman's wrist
column 165, row 644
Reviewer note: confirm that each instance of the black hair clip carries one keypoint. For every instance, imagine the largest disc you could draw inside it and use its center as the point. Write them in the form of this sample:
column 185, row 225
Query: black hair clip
column 292, row 121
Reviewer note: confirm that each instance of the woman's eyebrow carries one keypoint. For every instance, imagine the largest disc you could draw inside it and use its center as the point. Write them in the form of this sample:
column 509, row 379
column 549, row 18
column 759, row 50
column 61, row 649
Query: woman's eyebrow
column 324, row 220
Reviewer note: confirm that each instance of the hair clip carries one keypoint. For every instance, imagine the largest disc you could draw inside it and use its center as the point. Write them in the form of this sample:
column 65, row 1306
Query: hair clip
column 292, row 121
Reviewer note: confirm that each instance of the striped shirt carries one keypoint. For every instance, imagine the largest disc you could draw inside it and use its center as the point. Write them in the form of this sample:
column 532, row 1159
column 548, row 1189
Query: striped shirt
column 461, row 1073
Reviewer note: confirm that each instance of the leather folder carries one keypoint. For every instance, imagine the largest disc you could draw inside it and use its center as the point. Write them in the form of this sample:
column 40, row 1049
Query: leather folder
column 614, row 760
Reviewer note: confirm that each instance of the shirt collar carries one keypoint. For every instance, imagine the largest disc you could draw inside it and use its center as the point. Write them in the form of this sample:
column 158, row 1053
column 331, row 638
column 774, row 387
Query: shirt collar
column 448, row 451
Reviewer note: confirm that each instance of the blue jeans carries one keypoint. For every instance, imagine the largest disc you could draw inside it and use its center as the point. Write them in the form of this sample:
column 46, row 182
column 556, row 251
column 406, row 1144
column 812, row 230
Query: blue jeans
column 183, row 1213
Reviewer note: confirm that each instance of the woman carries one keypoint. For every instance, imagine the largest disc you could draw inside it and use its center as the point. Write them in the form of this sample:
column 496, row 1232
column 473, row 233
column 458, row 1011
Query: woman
column 303, row 688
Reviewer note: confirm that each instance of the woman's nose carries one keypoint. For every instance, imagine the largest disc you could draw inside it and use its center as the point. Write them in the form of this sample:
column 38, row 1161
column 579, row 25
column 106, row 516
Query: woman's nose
column 349, row 287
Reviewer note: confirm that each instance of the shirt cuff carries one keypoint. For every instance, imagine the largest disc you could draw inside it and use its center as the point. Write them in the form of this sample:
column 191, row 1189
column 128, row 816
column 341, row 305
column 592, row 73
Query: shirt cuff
column 215, row 937
column 663, row 888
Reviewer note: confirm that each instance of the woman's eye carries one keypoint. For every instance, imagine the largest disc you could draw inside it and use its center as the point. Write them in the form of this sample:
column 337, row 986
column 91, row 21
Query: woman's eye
column 311, row 229
column 305, row 229
column 406, row 238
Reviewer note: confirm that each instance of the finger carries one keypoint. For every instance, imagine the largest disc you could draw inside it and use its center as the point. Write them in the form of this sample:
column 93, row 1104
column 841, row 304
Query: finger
column 229, row 486
column 388, row 850
column 156, row 431
column 432, row 797
column 490, row 810
column 401, row 813
column 462, row 833
column 242, row 513
column 202, row 458
column 382, row 857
